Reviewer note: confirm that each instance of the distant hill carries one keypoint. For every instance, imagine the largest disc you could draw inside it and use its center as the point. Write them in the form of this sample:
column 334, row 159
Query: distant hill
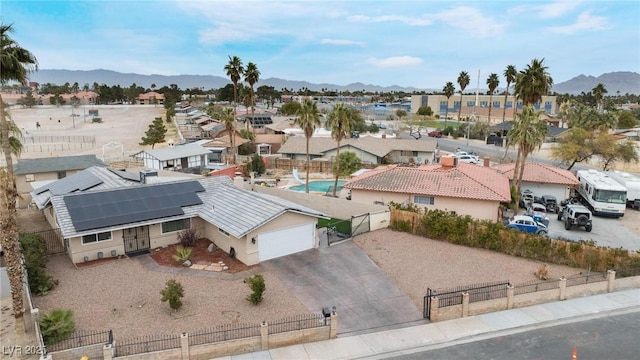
column 111, row 78
column 623, row 81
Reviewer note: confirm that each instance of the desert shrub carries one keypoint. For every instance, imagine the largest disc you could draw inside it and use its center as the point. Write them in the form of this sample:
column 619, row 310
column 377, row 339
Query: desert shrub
column 173, row 293
column 401, row 225
column 35, row 261
column 256, row 165
column 57, row 325
column 182, row 254
column 543, row 272
column 188, row 237
column 405, row 207
column 256, row 283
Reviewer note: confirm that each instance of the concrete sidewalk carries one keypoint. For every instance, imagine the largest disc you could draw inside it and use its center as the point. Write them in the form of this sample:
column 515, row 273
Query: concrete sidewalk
column 397, row 342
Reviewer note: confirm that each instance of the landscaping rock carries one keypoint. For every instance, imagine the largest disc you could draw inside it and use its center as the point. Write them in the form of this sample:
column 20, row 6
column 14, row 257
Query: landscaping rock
column 212, row 247
column 186, row 263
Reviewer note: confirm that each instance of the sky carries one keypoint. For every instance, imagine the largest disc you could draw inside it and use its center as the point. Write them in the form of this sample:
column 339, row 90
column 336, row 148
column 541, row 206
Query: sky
column 422, row 44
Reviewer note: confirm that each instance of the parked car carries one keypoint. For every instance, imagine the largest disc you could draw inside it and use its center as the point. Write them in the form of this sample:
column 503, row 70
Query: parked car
column 575, row 215
column 550, row 202
column 526, row 198
column 538, row 212
column 435, row 133
column 527, row 224
column 382, row 126
column 467, row 159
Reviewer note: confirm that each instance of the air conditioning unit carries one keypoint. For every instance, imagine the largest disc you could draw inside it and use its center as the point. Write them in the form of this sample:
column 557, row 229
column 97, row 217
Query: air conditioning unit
column 114, row 253
column 86, row 258
column 100, row 254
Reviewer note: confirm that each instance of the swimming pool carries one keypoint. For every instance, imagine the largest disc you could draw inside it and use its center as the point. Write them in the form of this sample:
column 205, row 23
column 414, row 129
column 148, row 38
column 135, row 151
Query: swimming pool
column 319, row 186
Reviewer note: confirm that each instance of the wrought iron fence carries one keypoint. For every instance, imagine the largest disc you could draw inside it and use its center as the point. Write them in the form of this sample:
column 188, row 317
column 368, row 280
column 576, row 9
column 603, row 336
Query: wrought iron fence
column 223, row 333
column 146, row 344
column 299, row 322
column 80, row 339
column 535, row 285
column 477, row 292
column 589, row 277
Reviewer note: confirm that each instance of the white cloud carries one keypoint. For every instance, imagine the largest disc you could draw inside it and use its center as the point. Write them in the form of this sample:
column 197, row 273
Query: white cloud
column 395, row 61
column 585, row 22
column 470, row 20
column 411, row 21
column 546, row 11
column 342, row 42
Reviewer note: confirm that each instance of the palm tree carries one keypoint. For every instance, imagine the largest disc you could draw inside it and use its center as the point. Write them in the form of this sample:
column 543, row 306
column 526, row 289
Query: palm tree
column 510, row 74
column 492, row 83
column 234, row 72
column 339, row 121
column 528, row 132
column 448, row 91
column 308, row 120
column 533, row 83
column 463, row 81
column 15, row 63
column 228, row 117
column 251, row 76
column 564, row 111
column 598, row 93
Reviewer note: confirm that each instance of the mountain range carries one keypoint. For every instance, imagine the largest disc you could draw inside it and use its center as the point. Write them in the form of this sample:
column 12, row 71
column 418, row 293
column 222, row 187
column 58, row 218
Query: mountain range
column 621, row 81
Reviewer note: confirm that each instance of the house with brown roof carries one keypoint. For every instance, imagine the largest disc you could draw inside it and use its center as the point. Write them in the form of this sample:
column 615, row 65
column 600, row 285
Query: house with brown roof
column 543, row 179
column 150, row 98
column 464, row 189
column 370, row 150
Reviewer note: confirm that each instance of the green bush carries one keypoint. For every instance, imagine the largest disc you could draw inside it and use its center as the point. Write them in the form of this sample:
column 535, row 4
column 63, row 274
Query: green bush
column 182, row 254
column 188, row 237
column 256, row 165
column 35, row 261
column 56, row 325
column 256, row 283
column 173, row 293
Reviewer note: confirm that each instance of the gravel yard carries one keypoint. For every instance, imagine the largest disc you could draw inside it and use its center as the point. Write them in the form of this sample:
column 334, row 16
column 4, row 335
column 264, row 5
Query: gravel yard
column 124, row 296
column 415, row 263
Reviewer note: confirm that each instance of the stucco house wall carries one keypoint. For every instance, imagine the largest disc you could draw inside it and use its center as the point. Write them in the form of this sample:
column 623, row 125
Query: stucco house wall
column 24, row 187
column 561, row 192
column 226, row 242
column 418, row 157
column 364, row 156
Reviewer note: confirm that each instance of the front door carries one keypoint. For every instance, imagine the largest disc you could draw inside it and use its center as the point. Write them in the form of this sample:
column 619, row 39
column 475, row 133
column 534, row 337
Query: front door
column 136, row 239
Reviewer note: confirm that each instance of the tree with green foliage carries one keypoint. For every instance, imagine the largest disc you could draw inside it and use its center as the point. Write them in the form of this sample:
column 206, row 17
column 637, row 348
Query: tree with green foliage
column 56, row 325
column 626, row 120
column 256, row 165
column 463, row 81
column 155, row 134
column 592, row 120
column 448, row 90
column 35, row 262
column 308, row 120
column 251, row 76
column 510, row 74
column 257, row 286
column 228, row 117
column 575, row 147
column 173, row 293
column 27, row 100
column 424, row 111
column 339, row 121
column 348, row 163
column 611, row 151
column 290, row 108
column 234, row 70
column 492, row 82
column 598, row 94
column 400, row 114
column 16, row 63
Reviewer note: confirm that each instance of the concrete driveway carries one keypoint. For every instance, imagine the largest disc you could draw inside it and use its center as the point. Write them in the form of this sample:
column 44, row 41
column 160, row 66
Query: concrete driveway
column 343, row 276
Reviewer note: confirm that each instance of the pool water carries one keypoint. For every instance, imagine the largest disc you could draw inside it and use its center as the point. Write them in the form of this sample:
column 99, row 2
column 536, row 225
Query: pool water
column 319, row 186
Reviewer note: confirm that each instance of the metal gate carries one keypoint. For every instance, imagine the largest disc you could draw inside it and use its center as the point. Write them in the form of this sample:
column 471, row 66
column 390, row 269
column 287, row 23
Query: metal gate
column 52, row 241
column 360, row 224
column 136, row 239
column 426, row 311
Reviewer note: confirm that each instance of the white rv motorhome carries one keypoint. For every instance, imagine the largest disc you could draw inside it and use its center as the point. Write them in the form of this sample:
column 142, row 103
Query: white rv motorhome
column 629, row 181
column 601, row 194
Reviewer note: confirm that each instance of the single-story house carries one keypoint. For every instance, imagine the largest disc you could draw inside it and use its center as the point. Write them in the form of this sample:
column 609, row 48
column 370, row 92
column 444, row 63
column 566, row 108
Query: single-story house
column 504, row 127
column 175, row 157
column 150, row 98
column 370, row 150
column 542, row 179
column 36, row 172
column 461, row 188
column 258, row 120
column 138, row 217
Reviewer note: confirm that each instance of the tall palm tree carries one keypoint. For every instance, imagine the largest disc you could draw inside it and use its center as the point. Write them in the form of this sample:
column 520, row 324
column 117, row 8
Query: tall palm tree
column 251, row 76
column 15, row 64
column 228, row 117
column 308, row 120
column 528, row 133
column 234, row 70
column 492, row 82
column 448, row 91
column 339, row 121
column 564, row 111
column 598, row 93
column 533, row 83
column 463, row 81
column 510, row 74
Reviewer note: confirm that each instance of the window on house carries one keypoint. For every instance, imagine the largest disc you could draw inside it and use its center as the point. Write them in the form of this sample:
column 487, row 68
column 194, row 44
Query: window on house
column 62, row 174
column 408, row 153
column 30, row 177
column 103, row 236
column 470, row 103
column 484, row 104
column 423, row 200
column 176, row 225
column 224, row 232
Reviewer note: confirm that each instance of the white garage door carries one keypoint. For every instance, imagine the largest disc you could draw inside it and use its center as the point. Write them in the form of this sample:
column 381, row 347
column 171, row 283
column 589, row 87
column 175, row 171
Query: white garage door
column 286, row 241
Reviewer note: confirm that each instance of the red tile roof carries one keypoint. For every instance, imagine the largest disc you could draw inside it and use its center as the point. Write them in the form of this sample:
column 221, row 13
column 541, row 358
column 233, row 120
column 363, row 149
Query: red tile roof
column 463, row 181
column 540, row 173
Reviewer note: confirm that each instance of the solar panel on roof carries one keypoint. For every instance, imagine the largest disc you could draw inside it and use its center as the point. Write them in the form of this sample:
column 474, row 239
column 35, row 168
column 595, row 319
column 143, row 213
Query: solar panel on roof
column 103, row 209
column 79, row 181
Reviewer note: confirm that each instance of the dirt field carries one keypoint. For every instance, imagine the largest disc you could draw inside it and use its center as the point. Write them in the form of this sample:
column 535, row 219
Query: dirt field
column 124, row 124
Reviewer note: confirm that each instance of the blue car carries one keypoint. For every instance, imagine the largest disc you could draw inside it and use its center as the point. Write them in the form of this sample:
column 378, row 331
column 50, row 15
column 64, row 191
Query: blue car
column 527, row 224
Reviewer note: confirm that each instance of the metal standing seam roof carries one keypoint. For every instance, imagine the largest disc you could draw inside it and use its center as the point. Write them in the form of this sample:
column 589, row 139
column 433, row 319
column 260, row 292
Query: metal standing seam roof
column 234, row 210
column 176, row 152
column 463, row 181
column 55, row 164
